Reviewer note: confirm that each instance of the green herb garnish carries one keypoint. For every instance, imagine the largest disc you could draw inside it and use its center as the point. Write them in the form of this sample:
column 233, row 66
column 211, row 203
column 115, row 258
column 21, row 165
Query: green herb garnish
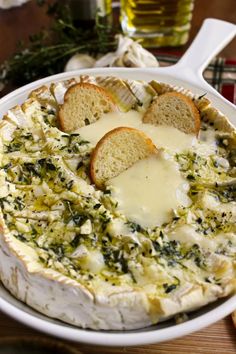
column 49, row 50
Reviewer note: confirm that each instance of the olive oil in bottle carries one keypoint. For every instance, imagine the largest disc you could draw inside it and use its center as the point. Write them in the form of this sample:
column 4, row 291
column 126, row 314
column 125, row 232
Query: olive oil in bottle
column 157, row 23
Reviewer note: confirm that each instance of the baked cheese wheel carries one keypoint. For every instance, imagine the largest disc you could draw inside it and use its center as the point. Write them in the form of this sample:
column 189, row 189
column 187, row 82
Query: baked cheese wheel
column 69, row 249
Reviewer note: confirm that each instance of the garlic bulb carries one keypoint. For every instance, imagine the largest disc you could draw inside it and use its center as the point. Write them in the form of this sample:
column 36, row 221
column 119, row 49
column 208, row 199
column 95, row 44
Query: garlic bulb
column 137, row 56
column 128, row 53
column 79, row 61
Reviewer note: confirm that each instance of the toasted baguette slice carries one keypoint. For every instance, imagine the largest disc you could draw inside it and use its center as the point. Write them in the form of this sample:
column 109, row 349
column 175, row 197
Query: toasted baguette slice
column 117, row 151
column 84, row 103
column 176, row 110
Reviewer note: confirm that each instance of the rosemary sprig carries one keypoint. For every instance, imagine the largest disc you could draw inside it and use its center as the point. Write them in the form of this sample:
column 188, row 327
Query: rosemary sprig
column 48, row 51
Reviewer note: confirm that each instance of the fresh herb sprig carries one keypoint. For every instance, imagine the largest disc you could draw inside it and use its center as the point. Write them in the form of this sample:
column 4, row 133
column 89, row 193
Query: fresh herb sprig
column 49, row 50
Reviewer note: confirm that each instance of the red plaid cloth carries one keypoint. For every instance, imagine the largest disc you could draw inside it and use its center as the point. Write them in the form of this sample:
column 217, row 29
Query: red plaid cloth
column 220, row 73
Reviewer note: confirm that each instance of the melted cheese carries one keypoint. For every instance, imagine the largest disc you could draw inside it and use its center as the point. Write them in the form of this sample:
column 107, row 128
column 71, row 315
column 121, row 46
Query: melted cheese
column 163, row 136
column 149, row 190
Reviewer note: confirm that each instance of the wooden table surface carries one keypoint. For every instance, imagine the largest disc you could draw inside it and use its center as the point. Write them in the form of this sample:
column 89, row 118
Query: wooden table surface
column 219, row 338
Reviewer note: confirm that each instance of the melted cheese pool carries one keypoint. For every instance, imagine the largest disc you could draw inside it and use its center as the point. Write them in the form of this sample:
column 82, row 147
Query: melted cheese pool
column 149, row 190
column 163, row 136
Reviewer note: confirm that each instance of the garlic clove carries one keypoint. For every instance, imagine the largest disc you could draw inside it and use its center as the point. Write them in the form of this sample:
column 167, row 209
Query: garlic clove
column 123, row 44
column 106, row 60
column 128, row 54
column 137, row 56
column 79, row 61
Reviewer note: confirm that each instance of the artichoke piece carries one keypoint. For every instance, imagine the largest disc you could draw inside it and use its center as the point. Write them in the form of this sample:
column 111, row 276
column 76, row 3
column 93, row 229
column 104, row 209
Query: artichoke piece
column 219, row 120
column 143, row 92
column 201, row 103
column 161, row 87
column 226, row 140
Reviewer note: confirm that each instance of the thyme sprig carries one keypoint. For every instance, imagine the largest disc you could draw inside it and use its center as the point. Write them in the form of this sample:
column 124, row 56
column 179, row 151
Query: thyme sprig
column 49, row 50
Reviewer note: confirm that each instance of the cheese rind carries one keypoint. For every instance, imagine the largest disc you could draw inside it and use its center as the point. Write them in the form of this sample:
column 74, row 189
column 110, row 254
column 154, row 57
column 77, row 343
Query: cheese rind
column 100, row 268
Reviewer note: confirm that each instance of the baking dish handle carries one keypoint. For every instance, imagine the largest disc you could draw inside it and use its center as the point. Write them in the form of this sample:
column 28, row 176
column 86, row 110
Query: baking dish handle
column 213, row 36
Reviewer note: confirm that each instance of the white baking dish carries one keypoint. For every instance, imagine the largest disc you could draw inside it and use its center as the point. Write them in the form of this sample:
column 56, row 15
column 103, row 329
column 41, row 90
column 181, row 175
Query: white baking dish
column 213, row 36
